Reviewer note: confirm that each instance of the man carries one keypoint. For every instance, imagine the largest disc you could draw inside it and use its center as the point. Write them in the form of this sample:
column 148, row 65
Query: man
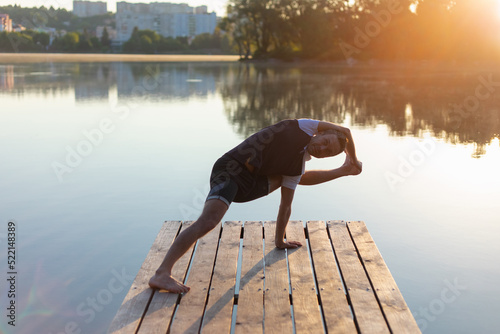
column 271, row 158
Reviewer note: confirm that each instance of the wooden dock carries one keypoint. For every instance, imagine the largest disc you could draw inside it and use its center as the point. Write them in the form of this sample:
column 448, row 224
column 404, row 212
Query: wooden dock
column 337, row 282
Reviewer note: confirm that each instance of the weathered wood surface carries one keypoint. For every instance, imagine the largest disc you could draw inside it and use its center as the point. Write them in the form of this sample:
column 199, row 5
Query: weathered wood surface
column 250, row 311
column 337, row 282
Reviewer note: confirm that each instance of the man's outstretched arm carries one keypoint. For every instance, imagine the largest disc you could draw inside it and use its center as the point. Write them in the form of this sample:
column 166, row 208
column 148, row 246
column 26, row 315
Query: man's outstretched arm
column 312, row 177
column 284, row 213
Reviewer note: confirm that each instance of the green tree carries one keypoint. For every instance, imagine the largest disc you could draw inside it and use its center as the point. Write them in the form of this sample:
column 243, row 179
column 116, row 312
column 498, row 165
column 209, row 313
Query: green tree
column 42, row 39
column 170, row 44
column 207, row 41
column 70, row 42
column 4, row 41
column 18, row 42
column 105, row 40
column 253, row 20
column 84, row 43
column 146, row 44
column 96, row 43
column 142, row 41
column 133, row 43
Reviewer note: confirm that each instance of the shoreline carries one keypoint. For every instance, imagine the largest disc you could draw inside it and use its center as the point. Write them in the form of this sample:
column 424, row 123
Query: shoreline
column 11, row 58
column 407, row 65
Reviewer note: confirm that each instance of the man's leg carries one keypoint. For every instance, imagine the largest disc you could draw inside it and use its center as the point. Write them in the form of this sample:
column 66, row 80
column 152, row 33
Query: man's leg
column 274, row 182
column 212, row 214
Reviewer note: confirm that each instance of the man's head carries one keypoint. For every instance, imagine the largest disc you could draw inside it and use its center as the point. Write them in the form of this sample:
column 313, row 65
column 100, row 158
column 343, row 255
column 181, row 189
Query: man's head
column 327, row 144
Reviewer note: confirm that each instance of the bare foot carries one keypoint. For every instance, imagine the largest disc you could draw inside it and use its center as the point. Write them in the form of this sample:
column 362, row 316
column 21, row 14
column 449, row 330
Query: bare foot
column 288, row 244
column 167, row 283
column 352, row 168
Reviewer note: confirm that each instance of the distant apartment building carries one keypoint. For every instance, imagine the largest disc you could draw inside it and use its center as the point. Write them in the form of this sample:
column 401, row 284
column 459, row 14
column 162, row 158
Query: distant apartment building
column 167, row 19
column 5, row 23
column 89, row 8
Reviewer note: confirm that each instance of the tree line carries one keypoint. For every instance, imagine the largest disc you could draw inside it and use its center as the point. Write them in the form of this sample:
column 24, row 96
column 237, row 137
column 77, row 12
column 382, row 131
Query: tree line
column 149, row 41
column 365, row 29
column 60, row 18
column 446, row 30
column 141, row 41
column 80, row 36
column 33, row 41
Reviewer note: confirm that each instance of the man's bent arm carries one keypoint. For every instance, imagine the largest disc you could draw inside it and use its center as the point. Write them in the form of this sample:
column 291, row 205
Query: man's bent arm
column 350, row 149
column 284, row 213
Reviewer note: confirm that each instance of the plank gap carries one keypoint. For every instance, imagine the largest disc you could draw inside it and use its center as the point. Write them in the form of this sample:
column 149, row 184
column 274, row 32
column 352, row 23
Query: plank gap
column 368, row 276
column 145, row 310
column 290, row 289
column 188, row 271
column 315, row 277
column 211, row 277
column 342, row 278
column 179, row 297
column 337, row 264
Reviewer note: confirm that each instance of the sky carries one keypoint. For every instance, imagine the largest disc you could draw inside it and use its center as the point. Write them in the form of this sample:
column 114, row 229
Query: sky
column 219, row 6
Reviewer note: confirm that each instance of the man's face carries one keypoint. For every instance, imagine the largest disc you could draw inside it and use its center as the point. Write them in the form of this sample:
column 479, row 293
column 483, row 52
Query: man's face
column 322, row 146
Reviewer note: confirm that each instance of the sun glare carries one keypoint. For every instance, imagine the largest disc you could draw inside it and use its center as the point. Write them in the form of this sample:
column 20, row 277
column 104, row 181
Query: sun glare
column 493, row 148
column 497, row 9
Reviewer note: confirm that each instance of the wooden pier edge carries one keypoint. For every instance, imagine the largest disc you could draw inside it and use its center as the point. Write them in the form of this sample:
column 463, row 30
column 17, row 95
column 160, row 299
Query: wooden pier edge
column 337, row 282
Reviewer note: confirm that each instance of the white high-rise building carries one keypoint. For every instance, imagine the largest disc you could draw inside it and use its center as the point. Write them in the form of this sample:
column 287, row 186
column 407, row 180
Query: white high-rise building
column 89, row 8
column 167, row 19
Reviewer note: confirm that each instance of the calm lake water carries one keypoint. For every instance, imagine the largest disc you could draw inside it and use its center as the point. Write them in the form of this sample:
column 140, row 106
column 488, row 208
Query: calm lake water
column 96, row 156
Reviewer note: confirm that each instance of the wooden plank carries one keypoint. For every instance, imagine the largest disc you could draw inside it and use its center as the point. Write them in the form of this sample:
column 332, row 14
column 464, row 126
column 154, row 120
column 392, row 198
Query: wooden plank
column 277, row 314
column 363, row 301
column 218, row 314
column 306, row 311
column 159, row 314
column 250, row 315
column 396, row 311
column 132, row 309
column 338, row 318
column 192, row 305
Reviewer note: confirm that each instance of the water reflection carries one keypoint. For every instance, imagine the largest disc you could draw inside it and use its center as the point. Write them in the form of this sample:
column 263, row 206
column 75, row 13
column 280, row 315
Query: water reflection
column 457, row 104
column 7, row 77
column 166, row 81
column 409, row 102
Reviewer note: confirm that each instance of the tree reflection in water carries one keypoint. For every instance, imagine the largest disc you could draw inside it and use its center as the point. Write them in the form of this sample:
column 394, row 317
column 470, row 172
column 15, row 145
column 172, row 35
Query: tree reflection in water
column 410, row 99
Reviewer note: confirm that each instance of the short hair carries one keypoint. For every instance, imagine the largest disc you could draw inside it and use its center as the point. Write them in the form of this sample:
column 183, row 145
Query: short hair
column 341, row 137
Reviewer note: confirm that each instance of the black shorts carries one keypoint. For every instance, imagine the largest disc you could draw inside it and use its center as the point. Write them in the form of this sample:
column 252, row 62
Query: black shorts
column 231, row 181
